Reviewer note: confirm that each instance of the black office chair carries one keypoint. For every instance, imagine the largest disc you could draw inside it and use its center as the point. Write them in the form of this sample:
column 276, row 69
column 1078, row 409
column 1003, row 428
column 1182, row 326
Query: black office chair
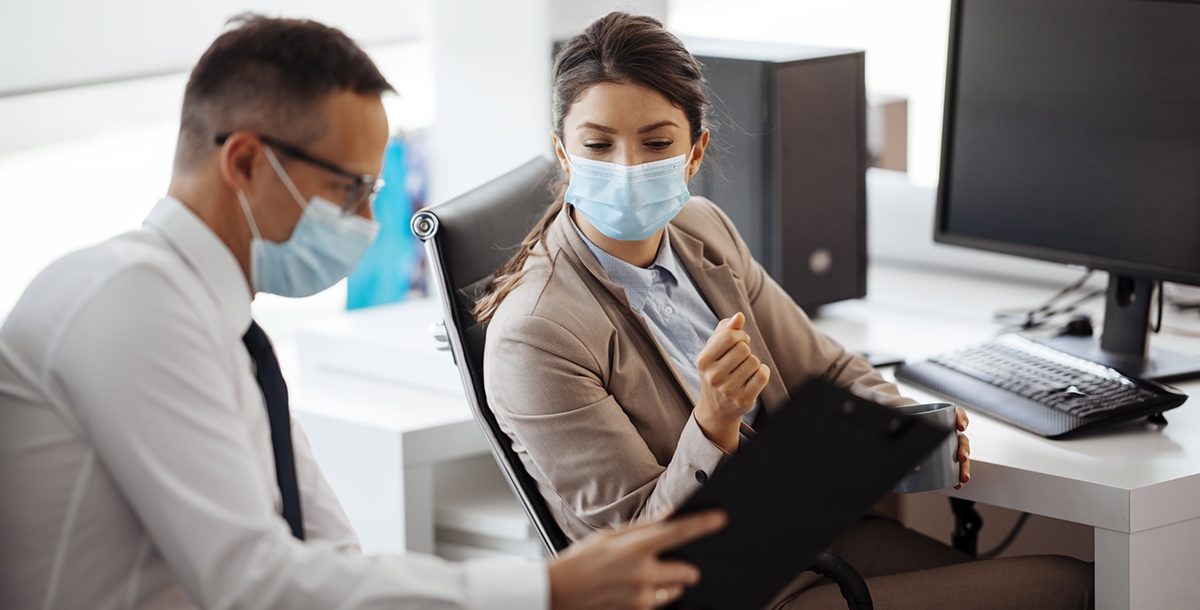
column 466, row 240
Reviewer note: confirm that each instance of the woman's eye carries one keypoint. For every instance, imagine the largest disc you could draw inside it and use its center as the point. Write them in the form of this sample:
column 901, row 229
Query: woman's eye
column 659, row 144
column 596, row 145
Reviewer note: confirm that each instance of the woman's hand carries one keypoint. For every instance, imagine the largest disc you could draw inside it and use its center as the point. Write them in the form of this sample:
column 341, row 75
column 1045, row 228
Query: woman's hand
column 963, row 457
column 621, row 568
column 731, row 378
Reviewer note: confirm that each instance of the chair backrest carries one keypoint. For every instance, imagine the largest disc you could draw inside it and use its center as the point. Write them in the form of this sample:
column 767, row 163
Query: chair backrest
column 466, row 240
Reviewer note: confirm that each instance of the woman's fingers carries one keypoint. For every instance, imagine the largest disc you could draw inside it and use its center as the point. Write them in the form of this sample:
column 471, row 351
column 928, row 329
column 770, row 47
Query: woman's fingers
column 733, row 381
column 964, row 460
column 758, row 381
column 719, row 344
column 728, row 364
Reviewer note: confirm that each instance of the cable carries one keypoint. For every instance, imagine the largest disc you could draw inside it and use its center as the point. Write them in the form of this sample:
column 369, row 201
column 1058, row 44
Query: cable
column 1028, row 319
column 1008, row 540
column 1032, row 321
column 1158, row 322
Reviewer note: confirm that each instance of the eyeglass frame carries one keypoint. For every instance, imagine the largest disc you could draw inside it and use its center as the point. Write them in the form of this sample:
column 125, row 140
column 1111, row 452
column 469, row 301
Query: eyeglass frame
column 355, row 202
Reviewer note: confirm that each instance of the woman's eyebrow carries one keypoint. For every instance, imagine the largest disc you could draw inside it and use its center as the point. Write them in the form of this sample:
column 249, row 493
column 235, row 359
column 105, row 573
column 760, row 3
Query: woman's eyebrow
column 654, row 126
column 647, row 128
column 597, row 127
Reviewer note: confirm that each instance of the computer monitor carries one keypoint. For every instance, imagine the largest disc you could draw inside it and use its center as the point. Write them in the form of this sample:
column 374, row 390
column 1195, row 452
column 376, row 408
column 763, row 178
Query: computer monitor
column 1072, row 134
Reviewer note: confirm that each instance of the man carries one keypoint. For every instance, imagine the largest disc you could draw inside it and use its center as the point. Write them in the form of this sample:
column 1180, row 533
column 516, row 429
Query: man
column 146, row 452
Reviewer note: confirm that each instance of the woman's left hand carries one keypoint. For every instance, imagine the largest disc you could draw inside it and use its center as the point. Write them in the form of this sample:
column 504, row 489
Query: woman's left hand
column 964, row 449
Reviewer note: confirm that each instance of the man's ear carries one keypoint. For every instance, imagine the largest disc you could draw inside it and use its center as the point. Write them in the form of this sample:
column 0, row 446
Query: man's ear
column 237, row 160
column 560, row 151
column 698, row 154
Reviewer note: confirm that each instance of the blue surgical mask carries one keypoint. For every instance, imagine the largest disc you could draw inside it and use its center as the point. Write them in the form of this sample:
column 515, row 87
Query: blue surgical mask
column 324, row 247
column 629, row 203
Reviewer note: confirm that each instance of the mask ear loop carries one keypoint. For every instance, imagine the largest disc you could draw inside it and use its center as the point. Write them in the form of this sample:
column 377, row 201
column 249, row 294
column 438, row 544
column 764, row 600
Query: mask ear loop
column 566, row 157
column 284, row 177
column 249, row 217
column 690, row 158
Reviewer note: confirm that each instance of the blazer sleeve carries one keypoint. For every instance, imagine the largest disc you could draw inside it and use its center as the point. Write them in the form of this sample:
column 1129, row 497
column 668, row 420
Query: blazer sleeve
column 547, row 392
column 800, row 351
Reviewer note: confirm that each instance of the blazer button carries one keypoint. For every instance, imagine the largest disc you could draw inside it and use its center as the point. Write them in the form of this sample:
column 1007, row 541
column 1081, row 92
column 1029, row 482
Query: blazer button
column 701, row 477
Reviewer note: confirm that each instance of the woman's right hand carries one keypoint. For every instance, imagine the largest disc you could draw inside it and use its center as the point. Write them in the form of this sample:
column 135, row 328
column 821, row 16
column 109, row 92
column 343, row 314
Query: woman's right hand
column 731, row 378
column 621, row 568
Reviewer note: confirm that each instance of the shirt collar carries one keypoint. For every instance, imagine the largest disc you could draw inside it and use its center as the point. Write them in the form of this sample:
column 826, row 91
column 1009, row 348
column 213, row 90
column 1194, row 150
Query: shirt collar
column 204, row 252
column 636, row 280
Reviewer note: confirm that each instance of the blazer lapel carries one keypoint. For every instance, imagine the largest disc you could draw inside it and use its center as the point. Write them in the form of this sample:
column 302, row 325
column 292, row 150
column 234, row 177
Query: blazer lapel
column 716, row 284
column 564, row 236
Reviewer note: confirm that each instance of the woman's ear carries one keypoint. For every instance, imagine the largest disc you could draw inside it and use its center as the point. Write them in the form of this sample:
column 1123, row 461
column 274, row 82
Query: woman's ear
column 560, row 151
column 697, row 154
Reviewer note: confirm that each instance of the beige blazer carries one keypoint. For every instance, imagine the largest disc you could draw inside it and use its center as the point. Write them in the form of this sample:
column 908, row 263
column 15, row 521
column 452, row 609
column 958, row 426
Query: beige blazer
column 594, row 406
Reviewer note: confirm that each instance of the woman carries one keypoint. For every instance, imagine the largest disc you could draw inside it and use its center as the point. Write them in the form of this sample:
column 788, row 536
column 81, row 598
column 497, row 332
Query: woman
column 633, row 335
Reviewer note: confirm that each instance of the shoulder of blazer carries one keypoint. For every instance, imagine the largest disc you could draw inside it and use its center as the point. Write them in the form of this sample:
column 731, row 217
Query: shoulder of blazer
column 551, row 288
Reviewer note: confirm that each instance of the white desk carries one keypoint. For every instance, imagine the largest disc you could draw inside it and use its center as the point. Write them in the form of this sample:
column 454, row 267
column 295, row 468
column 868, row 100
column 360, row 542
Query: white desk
column 1138, row 487
column 382, row 409
column 380, row 437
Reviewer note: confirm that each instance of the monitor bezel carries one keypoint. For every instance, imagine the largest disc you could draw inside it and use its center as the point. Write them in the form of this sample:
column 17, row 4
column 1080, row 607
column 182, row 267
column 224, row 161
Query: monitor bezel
column 944, row 236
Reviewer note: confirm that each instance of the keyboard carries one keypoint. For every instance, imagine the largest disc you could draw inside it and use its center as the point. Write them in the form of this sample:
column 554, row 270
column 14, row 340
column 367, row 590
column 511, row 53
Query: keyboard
column 1039, row 388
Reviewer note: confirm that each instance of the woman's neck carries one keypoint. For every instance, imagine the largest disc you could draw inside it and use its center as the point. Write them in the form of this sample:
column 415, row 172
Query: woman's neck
column 639, row 253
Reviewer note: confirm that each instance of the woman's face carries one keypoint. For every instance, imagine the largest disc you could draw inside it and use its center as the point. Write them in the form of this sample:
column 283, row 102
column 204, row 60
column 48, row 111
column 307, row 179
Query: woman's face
column 628, row 124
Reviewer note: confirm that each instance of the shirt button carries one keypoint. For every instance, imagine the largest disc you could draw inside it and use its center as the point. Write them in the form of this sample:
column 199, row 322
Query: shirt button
column 668, row 310
column 701, row 477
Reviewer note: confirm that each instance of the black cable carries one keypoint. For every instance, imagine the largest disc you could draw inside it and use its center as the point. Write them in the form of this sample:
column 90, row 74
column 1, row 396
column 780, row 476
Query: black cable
column 1032, row 321
column 1158, row 322
column 1008, row 540
column 1028, row 318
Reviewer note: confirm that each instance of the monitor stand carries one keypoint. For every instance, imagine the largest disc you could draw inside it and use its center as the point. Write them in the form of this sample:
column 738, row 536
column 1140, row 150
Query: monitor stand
column 1124, row 345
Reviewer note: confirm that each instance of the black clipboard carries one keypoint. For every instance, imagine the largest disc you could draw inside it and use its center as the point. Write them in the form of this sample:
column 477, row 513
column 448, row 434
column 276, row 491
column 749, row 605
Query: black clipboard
column 813, row 469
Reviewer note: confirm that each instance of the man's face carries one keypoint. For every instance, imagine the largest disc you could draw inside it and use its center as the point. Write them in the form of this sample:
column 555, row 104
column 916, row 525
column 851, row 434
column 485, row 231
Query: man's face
column 354, row 139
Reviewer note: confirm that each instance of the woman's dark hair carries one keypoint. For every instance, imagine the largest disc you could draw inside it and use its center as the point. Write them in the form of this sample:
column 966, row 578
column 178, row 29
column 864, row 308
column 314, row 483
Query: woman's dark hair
column 617, row 48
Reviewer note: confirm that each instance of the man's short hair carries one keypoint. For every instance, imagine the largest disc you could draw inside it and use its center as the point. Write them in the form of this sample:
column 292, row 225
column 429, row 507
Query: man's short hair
column 269, row 75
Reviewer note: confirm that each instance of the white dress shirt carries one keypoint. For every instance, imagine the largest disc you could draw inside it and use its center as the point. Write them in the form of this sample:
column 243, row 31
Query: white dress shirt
column 135, row 455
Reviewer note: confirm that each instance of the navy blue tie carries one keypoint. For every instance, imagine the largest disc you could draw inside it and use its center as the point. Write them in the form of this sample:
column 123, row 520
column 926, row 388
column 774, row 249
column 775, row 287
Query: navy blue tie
column 275, row 394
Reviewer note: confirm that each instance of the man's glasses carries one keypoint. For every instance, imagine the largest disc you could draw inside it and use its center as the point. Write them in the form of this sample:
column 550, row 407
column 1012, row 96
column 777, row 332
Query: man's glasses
column 365, row 186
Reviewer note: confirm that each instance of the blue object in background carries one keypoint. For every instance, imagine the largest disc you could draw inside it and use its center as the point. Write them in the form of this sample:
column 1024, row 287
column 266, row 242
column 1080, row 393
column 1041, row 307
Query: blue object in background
column 390, row 269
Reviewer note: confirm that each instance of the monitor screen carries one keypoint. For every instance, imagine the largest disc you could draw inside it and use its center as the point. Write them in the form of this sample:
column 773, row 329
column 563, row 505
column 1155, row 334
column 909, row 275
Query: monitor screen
column 1072, row 133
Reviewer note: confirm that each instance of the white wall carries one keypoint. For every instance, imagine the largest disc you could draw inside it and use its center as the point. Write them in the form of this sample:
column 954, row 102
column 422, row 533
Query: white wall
column 491, row 62
column 136, row 54
column 570, row 18
column 55, row 43
column 905, row 41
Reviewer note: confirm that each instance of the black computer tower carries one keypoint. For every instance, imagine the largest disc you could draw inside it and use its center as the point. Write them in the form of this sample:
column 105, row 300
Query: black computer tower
column 788, row 161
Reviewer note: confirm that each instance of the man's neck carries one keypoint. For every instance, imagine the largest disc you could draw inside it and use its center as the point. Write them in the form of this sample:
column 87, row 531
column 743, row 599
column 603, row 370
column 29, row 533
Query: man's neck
column 217, row 212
